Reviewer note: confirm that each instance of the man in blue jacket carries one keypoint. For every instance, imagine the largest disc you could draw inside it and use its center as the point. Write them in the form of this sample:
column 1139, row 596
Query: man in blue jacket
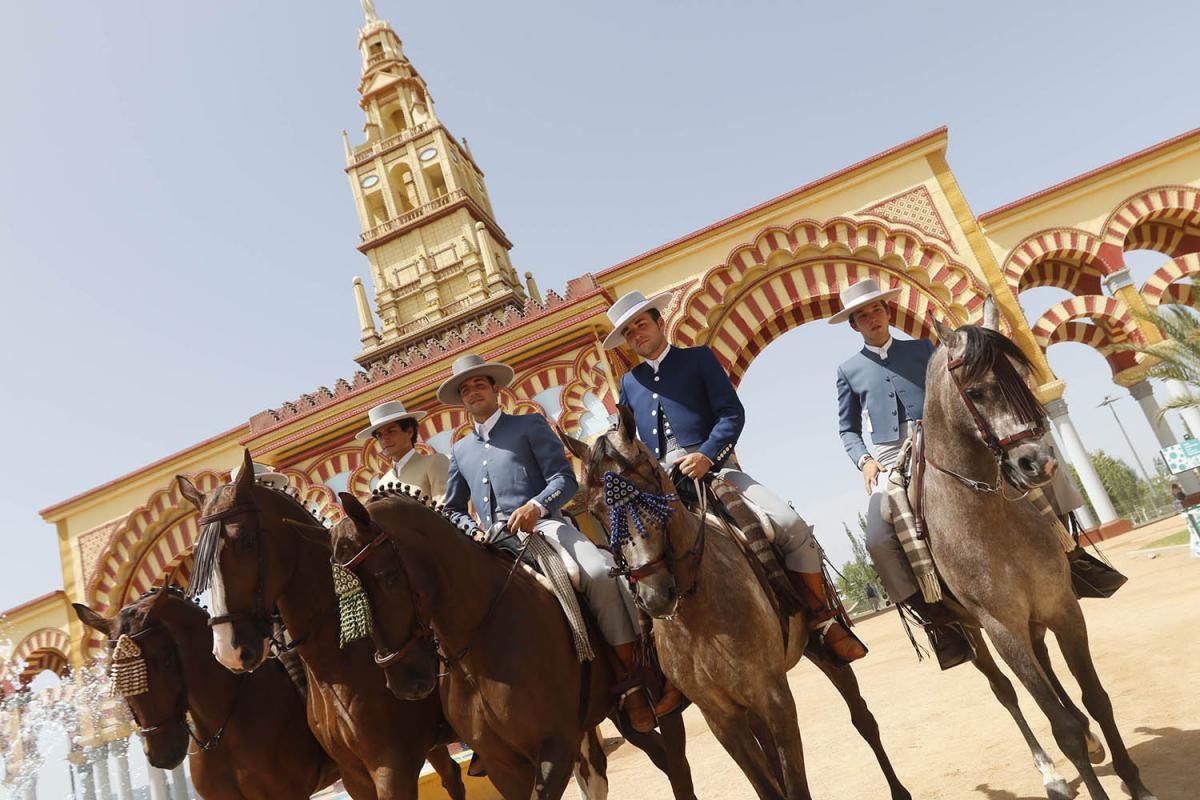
column 883, row 386
column 689, row 414
column 513, row 469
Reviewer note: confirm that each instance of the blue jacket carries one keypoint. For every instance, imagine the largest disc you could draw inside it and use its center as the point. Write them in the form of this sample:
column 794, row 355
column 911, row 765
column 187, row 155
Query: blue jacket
column 522, row 460
column 882, row 388
column 697, row 397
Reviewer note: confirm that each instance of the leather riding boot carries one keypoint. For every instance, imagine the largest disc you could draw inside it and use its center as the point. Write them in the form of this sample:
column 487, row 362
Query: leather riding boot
column 634, row 701
column 946, row 635
column 671, row 699
column 834, row 636
column 1091, row 577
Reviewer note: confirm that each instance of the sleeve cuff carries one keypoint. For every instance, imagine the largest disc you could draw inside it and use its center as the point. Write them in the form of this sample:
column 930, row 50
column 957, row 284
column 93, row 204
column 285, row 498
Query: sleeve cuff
column 541, row 507
column 862, row 461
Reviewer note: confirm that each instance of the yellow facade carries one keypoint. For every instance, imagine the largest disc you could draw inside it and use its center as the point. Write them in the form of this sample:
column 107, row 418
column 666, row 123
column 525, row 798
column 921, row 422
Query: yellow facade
column 443, row 285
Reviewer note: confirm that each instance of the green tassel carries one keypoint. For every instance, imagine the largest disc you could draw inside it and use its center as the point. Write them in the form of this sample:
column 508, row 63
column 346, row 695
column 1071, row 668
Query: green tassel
column 354, row 608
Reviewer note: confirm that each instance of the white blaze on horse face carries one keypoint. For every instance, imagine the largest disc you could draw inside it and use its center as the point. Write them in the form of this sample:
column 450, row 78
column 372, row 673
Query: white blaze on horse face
column 223, row 648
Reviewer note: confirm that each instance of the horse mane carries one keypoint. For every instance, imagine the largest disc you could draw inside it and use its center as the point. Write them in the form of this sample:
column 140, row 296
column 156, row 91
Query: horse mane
column 987, row 351
column 400, row 491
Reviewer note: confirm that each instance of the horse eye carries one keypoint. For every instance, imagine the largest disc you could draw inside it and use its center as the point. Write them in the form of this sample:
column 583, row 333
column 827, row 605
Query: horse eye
column 974, row 393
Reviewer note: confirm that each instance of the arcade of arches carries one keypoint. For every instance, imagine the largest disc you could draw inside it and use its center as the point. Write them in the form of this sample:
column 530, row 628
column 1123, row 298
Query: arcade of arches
column 899, row 217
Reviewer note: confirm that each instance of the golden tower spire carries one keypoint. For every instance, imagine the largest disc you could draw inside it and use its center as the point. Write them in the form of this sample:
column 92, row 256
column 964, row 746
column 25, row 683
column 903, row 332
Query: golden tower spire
column 438, row 258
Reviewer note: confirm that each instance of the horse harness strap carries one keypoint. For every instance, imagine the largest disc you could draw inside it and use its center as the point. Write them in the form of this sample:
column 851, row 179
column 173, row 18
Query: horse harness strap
column 994, row 443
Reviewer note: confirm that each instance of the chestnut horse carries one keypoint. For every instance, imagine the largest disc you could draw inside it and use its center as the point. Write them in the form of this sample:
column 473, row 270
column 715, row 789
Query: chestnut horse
column 716, row 628
column 513, row 686
column 1000, row 558
column 256, row 563
column 252, row 741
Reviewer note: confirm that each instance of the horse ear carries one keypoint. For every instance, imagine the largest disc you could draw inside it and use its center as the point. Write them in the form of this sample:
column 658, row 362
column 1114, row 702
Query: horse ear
column 574, row 446
column 946, row 335
column 245, row 478
column 189, row 490
column 991, row 314
column 627, row 427
column 355, row 510
column 92, row 619
column 311, row 532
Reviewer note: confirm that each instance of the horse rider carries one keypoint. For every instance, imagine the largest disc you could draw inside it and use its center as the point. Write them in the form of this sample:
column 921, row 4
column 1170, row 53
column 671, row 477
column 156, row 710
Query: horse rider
column 689, row 414
column 886, row 380
column 262, row 474
column 513, row 468
column 394, row 429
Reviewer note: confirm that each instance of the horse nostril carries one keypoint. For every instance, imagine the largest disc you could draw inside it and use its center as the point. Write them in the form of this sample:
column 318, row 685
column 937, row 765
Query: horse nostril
column 1027, row 466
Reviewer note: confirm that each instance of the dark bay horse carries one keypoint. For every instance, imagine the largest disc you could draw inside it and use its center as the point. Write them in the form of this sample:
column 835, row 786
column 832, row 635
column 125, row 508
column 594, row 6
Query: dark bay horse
column 717, row 630
column 999, row 557
column 513, row 686
column 251, row 738
column 256, row 563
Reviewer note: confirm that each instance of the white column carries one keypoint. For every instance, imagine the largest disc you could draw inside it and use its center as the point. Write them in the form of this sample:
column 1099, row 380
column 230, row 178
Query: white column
column 1078, row 455
column 158, row 784
column 179, row 787
column 123, row 780
column 99, row 758
column 1143, row 392
column 29, row 790
column 1191, row 416
column 87, row 785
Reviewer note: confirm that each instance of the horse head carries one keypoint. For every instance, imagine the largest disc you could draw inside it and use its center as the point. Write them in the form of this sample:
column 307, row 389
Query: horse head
column 234, row 558
column 978, row 385
column 145, row 669
column 379, row 595
column 627, row 489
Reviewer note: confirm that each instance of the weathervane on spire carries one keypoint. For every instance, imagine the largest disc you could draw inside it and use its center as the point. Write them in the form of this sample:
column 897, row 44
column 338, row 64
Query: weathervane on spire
column 369, row 10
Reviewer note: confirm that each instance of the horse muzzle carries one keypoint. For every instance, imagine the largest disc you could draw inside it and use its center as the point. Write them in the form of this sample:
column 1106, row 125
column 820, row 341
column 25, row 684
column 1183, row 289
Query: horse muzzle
column 1029, row 466
column 657, row 595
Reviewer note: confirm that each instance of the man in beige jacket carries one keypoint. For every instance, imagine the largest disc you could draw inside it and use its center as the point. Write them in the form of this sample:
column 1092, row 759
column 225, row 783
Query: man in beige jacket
column 395, row 430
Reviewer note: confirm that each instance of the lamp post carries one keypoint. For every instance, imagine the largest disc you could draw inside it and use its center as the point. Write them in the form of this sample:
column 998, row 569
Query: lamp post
column 1108, row 401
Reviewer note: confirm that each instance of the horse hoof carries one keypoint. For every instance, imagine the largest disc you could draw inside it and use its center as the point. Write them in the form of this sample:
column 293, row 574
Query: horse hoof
column 1095, row 748
column 1058, row 790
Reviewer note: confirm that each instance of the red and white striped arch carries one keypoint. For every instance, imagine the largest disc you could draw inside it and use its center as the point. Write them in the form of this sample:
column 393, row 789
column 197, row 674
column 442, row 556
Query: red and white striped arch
column 1165, row 218
column 1109, row 312
column 590, row 376
column 1067, row 258
column 1098, row 337
column 529, row 385
column 44, row 649
column 160, row 560
column 1163, row 287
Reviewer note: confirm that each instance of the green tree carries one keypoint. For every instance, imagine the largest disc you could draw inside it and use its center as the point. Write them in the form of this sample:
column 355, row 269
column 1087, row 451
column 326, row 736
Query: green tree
column 1178, row 353
column 1126, row 490
column 857, row 574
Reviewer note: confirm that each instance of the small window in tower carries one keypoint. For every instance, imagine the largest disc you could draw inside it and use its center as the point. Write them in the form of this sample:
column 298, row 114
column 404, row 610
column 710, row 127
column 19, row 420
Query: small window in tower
column 377, row 49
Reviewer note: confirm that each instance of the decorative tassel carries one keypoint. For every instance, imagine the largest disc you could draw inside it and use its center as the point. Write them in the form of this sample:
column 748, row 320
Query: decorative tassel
column 625, row 502
column 128, row 672
column 354, row 607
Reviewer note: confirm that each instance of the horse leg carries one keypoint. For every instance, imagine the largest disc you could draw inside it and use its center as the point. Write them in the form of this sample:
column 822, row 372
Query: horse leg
column 555, row 763
column 591, row 768
column 766, row 740
column 1073, row 641
column 668, row 751
column 783, row 735
column 1016, row 648
column 734, row 734
column 846, row 682
column 1094, row 745
column 1052, row 780
column 448, row 770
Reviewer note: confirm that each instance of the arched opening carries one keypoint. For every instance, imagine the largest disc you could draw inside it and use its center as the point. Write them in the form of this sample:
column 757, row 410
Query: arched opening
column 404, row 190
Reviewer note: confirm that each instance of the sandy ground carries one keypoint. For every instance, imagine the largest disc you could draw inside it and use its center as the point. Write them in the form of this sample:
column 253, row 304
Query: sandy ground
column 948, row 737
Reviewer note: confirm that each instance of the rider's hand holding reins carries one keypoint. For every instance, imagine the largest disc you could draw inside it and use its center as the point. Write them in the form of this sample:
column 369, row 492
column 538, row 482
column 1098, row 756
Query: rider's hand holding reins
column 871, row 470
column 525, row 517
column 695, row 465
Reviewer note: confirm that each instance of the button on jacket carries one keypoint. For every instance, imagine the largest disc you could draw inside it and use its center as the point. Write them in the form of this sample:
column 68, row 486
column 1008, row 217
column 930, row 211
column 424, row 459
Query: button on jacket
column 884, row 387
column 522, row 460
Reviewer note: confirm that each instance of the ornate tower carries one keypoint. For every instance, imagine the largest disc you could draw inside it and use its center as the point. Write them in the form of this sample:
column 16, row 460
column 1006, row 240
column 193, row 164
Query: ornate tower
column 438, row 258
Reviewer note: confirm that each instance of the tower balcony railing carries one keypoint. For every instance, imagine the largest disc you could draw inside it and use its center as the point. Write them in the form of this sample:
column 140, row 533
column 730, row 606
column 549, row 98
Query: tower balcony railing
column 409, row 217
column 368, row 151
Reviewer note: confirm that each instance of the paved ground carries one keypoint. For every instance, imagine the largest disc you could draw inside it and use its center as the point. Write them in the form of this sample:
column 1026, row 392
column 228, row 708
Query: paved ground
column 950, row 740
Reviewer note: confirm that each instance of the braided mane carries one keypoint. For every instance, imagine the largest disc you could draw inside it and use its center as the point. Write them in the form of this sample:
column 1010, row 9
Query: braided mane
column 463, row 522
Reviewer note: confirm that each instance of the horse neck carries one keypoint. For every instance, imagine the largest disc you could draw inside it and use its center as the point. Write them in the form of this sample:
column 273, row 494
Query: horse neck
column 209, row 685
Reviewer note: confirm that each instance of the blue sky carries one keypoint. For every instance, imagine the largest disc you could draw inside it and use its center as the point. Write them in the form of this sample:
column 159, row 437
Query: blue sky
column 171, row 190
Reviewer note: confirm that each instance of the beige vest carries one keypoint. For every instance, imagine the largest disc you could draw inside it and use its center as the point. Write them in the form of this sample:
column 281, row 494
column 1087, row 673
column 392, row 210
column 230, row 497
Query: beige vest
column 426, row 473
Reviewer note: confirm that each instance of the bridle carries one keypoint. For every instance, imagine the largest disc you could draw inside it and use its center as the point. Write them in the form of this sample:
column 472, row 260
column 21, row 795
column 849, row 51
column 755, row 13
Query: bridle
column 999, row 446
column 182, row 708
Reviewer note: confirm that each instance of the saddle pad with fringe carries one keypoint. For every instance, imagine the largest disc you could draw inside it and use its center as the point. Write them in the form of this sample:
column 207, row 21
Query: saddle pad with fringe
column 901, row 497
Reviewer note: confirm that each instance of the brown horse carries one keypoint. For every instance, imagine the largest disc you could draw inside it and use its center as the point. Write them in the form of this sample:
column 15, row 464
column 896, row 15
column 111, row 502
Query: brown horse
column 513, row 686
column 256, row 563
column 999, row 557
column 251, row 738
column 717, row 629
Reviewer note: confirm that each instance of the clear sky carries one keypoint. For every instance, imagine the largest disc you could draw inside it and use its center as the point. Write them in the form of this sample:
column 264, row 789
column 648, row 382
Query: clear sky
column 177, row 235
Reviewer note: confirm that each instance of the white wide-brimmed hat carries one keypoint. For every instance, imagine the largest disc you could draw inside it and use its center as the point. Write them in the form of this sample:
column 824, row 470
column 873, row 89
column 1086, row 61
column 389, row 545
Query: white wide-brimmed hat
column 858, row 295
column 469, row 366
column 384, row 413
column 628, row 307
column 262, row 474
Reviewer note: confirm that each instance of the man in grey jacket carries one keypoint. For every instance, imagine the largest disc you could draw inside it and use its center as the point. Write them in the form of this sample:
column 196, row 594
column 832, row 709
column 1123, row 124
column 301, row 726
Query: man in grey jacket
column 514, row 470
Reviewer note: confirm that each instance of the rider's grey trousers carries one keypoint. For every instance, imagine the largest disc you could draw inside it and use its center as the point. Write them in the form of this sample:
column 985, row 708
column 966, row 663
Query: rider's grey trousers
column 793, row 536
column 887, row 554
